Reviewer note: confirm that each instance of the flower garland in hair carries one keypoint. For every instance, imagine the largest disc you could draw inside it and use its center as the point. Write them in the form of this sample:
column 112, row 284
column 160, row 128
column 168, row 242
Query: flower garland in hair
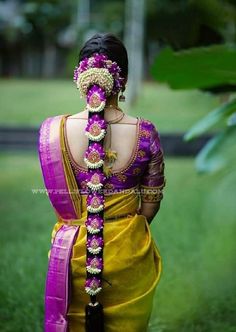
column 96, row 77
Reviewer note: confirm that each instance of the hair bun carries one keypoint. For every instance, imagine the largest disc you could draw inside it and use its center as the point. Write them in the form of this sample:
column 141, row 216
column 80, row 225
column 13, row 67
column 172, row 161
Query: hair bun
column 95, row 76
column 98, row 70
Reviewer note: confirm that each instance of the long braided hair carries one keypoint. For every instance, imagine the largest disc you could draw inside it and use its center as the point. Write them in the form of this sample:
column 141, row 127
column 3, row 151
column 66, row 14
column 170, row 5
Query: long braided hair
column 100, row 73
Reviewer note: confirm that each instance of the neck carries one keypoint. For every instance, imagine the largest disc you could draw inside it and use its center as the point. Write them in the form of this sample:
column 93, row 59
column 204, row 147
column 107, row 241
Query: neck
column 111, row 110
column 112, row 100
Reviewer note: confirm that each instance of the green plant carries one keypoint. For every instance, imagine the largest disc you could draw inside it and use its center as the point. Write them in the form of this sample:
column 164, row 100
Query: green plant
column 211, row 67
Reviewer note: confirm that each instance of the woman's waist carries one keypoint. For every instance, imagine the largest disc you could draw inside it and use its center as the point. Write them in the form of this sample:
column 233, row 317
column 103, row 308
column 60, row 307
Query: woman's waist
column 115, row 207
column 106, row 218
column 124, row 202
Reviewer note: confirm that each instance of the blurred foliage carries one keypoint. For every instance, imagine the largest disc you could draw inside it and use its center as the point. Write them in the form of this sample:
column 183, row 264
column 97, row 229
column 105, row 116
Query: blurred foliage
column 220, row 150
column 108, row 16
column 35, row 20
column 198, row 68
column 185, row 24
column 220, row 115
column 30, row 26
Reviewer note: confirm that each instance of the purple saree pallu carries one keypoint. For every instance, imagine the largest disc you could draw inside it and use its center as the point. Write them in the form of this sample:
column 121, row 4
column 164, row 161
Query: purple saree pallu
column 58, row 280
column 58, row 276
column 50, row 156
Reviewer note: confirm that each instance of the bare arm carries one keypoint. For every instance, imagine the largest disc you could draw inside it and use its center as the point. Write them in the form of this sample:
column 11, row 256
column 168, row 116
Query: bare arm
column 149, row 210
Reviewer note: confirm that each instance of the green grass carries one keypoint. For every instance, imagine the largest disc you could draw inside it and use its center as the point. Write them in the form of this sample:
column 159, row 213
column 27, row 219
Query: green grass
column 29, row 102
column 194, row 231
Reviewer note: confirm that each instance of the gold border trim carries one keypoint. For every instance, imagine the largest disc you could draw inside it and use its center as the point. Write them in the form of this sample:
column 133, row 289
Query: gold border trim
column 69, row 175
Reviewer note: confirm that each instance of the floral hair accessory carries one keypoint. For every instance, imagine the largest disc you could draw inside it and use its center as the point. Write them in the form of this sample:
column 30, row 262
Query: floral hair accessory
column 95, row 203
column 98, row 70
column 96, row 76
column 96, row 99
column 94, row 264
column 95, row 244
column 94, row 156
column 96, row 180
column 96, row 128
column 94, row 224
column 93, row 286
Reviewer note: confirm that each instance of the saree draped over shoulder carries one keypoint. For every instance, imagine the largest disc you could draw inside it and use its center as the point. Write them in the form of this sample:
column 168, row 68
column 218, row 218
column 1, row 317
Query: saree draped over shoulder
column 132, row 263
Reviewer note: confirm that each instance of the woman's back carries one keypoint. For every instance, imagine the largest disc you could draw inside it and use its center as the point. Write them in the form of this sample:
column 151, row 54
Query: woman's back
column 135, row 140
column 121, row 137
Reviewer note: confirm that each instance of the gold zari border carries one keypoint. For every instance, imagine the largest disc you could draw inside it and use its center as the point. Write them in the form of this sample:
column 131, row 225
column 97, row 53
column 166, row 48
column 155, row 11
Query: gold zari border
column 151, row 194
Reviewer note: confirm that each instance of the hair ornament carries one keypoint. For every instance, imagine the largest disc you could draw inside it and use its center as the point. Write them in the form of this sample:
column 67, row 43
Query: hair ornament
column 95, row 244
column 96, row 180
column 94, row 156
column 95, row 203
column 94, row 224
column 96, row 128
column 98, row 70
column 94, row 264
column 96, row 99
column 93, row 286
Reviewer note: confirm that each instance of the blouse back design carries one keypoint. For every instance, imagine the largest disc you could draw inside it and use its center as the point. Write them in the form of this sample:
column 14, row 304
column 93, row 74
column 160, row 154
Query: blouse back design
column 144, row 170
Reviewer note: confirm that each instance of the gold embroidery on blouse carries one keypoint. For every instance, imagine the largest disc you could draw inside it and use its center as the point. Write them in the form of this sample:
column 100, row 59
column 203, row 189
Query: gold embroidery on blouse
column 161, row 186
column 152, row 194
column 141, row 153
column 151, row 198
column 109, row 186
column 145, row 133
column 121, row 177
column 136, row 170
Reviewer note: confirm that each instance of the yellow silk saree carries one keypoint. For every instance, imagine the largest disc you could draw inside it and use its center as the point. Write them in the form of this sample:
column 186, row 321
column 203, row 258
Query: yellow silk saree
column 132, row 263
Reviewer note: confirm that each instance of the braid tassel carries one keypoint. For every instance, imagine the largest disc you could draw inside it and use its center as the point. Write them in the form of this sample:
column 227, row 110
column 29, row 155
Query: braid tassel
column 94, row 317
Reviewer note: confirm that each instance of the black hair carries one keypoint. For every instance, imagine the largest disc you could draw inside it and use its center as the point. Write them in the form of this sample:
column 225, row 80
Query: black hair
column 110, row 45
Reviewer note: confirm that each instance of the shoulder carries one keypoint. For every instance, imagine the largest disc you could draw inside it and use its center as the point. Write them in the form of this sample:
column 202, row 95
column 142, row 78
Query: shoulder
column 150, row 128
column 51, row 119
column 149, row 124
column 50, row 124
column 82, row 115
column 151, row 133
column 129, row 119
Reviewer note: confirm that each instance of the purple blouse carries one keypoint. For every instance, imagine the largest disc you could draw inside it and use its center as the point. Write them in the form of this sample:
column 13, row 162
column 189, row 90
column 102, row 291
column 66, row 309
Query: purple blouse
column 145, row 168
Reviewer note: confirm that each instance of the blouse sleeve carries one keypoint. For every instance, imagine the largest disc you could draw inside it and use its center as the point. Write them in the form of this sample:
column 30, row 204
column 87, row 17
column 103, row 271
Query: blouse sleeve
column 153, row 180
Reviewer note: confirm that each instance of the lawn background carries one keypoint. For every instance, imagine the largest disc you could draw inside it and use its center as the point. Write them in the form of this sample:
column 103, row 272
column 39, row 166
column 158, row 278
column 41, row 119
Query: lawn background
column 29, row 102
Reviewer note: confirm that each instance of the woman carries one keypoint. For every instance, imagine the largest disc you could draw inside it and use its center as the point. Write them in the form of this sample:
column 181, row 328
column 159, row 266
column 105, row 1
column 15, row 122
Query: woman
column 104, row 175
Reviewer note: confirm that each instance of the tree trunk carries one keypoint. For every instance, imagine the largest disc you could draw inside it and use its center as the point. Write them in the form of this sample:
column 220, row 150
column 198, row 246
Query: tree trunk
column 134, row 41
